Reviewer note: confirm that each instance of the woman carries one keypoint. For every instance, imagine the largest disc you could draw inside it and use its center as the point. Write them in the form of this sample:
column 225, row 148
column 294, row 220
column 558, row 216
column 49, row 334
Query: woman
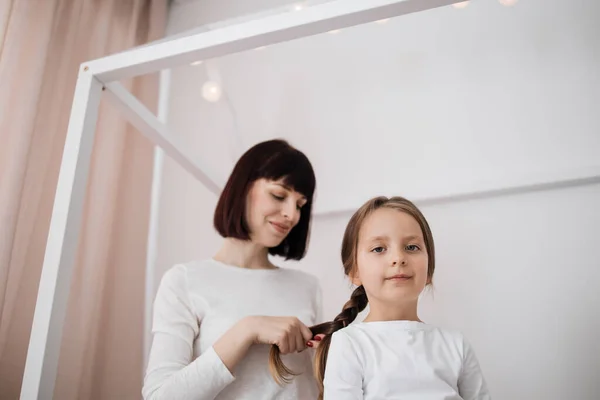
column 214, row 320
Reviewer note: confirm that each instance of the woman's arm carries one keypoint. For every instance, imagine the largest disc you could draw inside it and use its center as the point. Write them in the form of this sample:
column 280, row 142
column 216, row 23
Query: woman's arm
column 172, row 373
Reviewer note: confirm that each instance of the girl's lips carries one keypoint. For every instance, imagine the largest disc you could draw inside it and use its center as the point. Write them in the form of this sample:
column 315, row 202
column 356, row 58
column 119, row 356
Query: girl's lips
column 399, row 277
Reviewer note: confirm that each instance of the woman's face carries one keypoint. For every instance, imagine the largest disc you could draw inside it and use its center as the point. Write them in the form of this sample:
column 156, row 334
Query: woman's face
column 272, row 210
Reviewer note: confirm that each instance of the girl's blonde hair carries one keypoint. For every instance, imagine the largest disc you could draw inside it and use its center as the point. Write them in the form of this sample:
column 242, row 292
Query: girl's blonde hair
column 358, row 300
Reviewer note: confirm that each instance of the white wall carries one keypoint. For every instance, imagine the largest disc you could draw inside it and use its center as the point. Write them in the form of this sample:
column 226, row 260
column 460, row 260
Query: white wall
column 418, row 106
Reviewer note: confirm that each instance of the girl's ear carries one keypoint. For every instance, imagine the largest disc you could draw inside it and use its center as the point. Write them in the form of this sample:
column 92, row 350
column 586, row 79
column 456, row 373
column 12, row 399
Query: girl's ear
column 355, row 278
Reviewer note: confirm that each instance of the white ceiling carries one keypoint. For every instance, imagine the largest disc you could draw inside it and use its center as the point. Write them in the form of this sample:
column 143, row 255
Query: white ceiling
column 423, row 104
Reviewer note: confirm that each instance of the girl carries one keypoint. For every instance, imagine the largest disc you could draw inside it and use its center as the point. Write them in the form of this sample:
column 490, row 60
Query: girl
column 388, row 253
column 214, row 320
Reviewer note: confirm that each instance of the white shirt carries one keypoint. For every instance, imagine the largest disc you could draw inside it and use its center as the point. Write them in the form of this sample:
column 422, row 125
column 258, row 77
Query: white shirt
column 197, row 303
column 402, row 360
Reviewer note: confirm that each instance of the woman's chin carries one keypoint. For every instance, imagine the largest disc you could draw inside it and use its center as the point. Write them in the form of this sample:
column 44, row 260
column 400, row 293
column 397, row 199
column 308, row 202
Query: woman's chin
column 273, row 243
column 270, row 241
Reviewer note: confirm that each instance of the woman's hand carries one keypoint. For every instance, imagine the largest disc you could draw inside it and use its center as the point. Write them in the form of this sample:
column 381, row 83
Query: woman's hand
column 314, row 342
column 287, row 333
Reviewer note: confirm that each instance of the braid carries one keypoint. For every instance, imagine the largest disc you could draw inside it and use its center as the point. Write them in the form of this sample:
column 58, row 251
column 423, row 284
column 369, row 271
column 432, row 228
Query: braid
column 357, row 303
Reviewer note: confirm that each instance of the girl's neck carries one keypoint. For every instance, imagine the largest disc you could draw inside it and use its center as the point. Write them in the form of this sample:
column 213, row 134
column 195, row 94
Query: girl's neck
column 392, row 312
column 244, row 254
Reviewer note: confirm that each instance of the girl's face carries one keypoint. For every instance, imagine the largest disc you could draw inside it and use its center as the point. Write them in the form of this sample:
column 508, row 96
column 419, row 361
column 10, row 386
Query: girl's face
column 391, row 256
column 272, row 210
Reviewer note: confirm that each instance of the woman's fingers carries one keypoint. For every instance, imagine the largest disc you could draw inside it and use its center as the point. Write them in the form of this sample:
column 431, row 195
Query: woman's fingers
column 306, row 333
column 300, row 342
column 314, row 343
column 284, row 344
column 293, row 342
column 296, row 337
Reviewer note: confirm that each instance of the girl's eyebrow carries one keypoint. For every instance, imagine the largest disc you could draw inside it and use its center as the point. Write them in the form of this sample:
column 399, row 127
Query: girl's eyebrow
column 385, row 238
column 378, row 238
column 413, row 237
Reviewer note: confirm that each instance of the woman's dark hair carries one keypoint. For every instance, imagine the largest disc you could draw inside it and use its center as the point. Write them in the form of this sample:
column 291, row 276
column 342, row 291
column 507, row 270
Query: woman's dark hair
column 358, row 300
column 273, row 160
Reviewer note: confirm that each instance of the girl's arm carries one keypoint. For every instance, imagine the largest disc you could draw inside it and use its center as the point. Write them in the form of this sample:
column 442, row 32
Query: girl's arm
column 172, row 373
column 343, row 372
column 471, row 383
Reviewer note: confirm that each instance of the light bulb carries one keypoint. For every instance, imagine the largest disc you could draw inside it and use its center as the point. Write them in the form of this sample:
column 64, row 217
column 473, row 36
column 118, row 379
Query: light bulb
column 261, row 48
column 462, row 4
column 382, row 21
column 508, row 3
column 211, row 91
column 333, row 32
column 195, row 63
column 298, row 7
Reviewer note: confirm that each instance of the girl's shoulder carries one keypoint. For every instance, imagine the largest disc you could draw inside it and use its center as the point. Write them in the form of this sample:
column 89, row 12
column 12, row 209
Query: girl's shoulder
column 359, row 331
column 363, row 337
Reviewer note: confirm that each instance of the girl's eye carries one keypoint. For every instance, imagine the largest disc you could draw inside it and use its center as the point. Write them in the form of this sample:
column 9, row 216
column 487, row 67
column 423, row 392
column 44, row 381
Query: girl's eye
column 378, row 249
column 413, row 247
column 279, row 198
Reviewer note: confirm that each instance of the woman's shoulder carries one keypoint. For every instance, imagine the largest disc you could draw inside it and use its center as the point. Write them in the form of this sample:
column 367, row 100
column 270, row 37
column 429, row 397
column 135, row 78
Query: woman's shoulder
column 299, row 281
column 181, row 274
column 299, row 276
column 209, row 270
column 182, row 269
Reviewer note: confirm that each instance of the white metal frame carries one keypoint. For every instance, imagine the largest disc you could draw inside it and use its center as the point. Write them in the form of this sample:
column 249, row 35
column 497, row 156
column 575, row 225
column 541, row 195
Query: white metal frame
column 102, row 75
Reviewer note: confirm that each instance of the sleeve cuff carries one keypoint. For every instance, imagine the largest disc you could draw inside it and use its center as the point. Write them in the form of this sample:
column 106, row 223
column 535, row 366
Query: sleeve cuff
column 222, row 375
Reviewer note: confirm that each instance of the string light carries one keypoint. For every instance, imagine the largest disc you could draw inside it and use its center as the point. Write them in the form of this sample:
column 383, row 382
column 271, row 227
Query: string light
column 211, row 91
column 462, row 4
column 508, row 3
column 195, row 63
column 382, row 21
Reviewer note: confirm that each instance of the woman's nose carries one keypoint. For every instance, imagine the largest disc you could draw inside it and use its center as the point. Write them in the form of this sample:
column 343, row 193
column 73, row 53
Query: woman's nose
column 288, row 210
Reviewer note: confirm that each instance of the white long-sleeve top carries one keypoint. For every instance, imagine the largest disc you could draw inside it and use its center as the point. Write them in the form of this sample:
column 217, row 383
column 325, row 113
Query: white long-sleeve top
column 197, row 303
column 402, row 360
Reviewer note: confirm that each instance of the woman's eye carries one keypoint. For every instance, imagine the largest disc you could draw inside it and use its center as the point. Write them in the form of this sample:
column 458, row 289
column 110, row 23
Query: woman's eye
column 280, row 198
column 413, row 247
column 378, row 249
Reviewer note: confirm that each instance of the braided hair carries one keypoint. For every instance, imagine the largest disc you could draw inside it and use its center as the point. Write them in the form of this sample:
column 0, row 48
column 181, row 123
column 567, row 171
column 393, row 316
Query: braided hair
column 357, row 303
column 358, row 300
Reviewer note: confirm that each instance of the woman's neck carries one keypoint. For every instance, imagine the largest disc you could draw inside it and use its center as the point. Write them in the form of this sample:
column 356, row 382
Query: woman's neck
column 244, row 254
column 406, row 311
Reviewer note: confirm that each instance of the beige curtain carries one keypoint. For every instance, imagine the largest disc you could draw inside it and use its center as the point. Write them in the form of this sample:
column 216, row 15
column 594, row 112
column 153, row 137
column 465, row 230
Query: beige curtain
column 42, row 44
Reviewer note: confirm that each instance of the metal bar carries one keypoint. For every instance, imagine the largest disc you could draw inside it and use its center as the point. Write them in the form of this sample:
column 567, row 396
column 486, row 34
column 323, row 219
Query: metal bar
column 311, row 21
column 149, row 125
column 55, row 282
